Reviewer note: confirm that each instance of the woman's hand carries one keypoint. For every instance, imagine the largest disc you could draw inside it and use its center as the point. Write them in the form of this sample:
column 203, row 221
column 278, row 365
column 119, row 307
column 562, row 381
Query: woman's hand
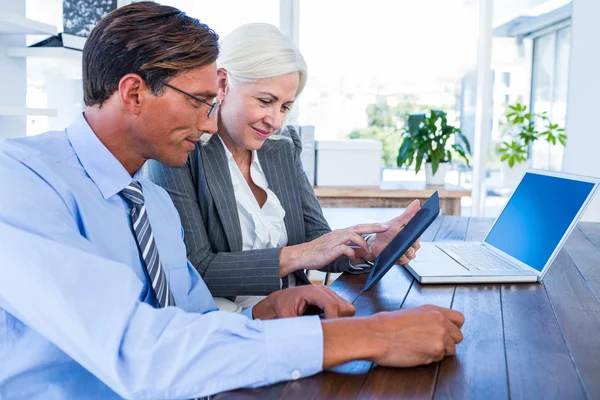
column 395, row 226
column 325, row 249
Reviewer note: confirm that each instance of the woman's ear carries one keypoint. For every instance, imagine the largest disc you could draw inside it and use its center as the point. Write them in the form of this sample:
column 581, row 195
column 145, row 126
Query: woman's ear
column 222, row 83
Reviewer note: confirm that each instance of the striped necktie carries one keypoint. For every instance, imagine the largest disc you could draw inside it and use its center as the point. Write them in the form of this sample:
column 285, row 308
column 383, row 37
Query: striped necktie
column 147, row 247
column 145, row 239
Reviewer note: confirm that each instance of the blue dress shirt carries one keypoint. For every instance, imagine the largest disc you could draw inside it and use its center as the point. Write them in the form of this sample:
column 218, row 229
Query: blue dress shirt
column 76, row 315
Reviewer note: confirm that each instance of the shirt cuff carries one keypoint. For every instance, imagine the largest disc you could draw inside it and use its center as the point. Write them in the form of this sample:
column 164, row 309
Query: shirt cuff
column 294, row 347
column 248, row 312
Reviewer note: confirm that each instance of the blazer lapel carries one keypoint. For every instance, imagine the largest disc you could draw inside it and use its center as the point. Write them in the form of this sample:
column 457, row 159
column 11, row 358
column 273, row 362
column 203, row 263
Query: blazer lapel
column 279, row 172
column 282, row 183
column 219, row 183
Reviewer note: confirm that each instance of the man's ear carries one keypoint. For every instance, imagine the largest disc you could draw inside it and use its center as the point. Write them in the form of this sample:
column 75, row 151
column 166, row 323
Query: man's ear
column 222, row 83
column 132, row 92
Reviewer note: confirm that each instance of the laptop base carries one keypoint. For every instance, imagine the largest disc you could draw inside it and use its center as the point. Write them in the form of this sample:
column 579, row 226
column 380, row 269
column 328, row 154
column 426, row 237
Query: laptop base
column 432, row 265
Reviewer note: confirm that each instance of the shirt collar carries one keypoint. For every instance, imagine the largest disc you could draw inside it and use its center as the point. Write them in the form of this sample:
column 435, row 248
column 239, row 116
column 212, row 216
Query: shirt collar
column 99, row 163
column 229, row 156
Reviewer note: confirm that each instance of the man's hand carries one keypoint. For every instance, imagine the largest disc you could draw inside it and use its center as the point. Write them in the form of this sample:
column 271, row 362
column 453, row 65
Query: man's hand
column 294, row 302
column 325, row 249
column 403, row 338
column 396, row 225
column 416, row 336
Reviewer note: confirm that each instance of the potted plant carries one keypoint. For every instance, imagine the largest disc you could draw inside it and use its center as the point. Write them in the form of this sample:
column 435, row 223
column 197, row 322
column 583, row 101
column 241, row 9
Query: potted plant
column 523, row 128
column 429, row 138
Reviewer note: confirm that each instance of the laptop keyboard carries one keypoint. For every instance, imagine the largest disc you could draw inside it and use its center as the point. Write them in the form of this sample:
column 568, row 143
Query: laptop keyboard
column 476, row 257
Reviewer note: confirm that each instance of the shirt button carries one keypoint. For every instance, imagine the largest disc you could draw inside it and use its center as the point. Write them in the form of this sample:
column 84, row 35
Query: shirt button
column 296, row 374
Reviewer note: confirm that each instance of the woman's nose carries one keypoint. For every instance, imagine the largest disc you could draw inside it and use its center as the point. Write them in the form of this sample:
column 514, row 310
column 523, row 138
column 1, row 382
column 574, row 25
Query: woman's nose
column 274, row 118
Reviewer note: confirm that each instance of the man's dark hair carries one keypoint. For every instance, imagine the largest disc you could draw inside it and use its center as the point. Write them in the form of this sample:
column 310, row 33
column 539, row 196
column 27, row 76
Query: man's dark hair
column 154, row 41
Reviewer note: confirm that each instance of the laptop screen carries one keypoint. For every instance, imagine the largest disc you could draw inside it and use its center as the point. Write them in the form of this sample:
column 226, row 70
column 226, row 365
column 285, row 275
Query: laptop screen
column 537, row 216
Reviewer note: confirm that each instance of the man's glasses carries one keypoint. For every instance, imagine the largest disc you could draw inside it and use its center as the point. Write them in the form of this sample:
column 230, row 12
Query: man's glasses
column 214, row 107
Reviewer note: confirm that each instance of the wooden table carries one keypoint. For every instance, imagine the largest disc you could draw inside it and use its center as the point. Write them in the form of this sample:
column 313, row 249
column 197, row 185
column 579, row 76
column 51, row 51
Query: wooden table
column 391, row 194
column 522, row 341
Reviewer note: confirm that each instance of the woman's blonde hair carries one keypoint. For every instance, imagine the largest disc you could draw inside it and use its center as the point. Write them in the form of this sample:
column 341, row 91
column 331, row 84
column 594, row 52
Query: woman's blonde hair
column 258, row 51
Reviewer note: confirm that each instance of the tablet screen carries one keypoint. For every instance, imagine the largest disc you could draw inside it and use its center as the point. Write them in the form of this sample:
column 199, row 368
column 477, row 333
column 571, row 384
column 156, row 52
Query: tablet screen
column 403, row 240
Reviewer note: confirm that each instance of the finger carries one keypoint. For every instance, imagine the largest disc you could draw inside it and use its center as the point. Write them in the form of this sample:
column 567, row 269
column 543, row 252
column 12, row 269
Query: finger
column 357, row 240
column 403, row 260
column 359, row 253
column 345, row 308
column 304, row 303
column 333, row 305
column 417, row 245
column 291, row 310
column 453, row 331
column 438, row 352
column 330, row 311
column 329, row 306
column 406, row 257
column 457, row 318
column 449, row 346
column 368, row 228
column 410, row 212
column 345, row 250
column 338, row 310
column 349, row 310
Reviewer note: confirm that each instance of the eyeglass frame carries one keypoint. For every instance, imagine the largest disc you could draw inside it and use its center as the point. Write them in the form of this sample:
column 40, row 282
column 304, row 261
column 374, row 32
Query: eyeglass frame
column 213, row 107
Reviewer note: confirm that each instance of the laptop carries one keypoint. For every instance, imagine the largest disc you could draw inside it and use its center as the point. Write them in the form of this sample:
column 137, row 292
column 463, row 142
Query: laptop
column 524, row 240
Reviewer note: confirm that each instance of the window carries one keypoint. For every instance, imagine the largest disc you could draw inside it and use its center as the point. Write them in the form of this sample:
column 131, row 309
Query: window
column 382, row 52
column 506, row 78
column 550, row 77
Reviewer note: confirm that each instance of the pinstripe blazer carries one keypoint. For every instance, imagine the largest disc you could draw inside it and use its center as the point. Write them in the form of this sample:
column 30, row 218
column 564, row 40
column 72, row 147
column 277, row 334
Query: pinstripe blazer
column 203, row 194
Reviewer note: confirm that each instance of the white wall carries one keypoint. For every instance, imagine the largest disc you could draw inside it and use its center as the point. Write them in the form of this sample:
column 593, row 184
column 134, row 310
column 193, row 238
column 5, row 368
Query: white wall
column 582, row 154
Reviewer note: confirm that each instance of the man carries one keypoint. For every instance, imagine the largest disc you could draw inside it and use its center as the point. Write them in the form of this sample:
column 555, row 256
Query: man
column 97, row 299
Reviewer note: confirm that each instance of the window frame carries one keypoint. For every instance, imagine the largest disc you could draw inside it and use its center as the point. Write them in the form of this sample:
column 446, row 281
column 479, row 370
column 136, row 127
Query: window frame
column 553, row 31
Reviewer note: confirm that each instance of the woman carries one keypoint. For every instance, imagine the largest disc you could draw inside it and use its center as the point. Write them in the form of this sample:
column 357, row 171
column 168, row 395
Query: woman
column 251, row 219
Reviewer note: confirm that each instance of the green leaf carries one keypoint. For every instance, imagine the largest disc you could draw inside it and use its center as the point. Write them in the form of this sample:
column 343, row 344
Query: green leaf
column 435, row 163
column 511, row 162
column 403, row 153
column 504, row 157
column 419, row 161
column 465, row 141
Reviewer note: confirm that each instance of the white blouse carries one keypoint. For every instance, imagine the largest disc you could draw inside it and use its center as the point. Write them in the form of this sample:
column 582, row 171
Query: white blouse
column 262, row 228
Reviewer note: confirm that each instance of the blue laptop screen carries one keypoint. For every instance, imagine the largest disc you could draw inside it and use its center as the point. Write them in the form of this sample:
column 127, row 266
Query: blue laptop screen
column 537, row 216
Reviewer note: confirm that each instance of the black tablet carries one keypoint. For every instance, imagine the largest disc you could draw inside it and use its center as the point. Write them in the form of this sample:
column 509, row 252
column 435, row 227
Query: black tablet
column 403, row 240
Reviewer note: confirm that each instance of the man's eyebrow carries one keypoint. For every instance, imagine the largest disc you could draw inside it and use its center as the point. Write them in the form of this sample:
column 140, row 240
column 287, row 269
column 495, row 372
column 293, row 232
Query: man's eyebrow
column 205, row 94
